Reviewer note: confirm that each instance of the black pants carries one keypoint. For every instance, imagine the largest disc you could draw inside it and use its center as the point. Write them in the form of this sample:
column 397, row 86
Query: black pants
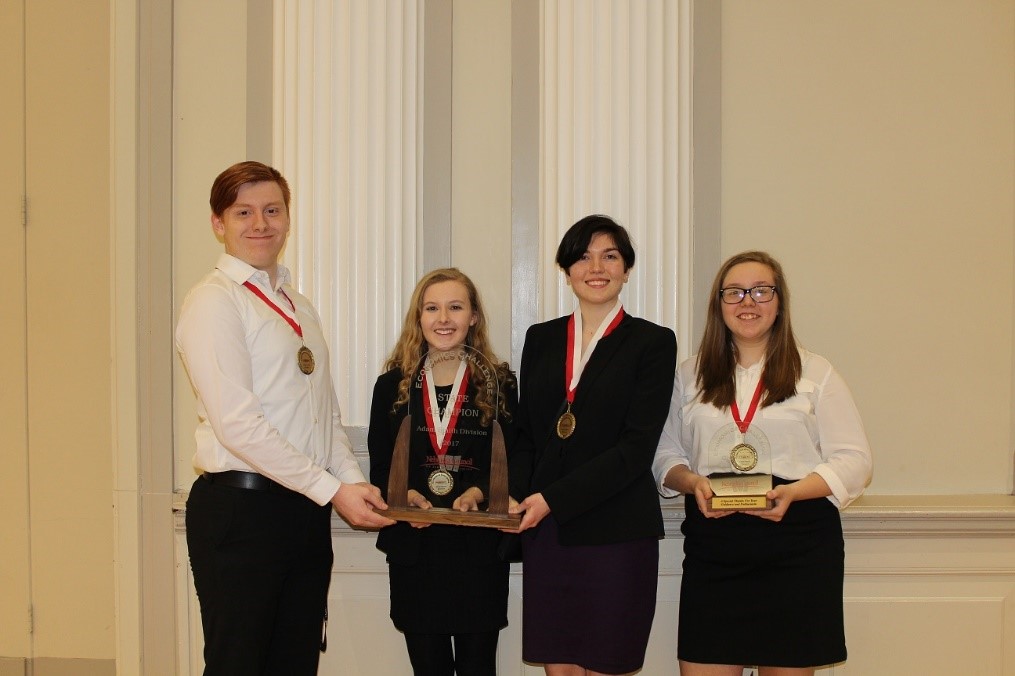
column 262, row 563
column 472, row 655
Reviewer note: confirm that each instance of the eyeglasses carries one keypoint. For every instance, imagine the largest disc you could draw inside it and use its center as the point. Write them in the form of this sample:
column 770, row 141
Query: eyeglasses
column 732, row 295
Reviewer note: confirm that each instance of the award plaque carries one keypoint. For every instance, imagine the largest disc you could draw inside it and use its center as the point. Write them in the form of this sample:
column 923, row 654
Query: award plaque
column 449, row 441
column 740, row 470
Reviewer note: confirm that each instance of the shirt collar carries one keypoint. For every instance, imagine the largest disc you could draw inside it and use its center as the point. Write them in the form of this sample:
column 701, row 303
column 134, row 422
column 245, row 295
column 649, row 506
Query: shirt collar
column 753, row 369
column 240, row 272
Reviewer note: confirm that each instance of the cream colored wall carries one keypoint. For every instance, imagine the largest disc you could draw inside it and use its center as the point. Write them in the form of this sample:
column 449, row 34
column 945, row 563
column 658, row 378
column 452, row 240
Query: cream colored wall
column 894, row 134
column 481, row 157
column 869, row 146
column 56, row 517
column 69, row 345
column 210, row 133
column 15, row 564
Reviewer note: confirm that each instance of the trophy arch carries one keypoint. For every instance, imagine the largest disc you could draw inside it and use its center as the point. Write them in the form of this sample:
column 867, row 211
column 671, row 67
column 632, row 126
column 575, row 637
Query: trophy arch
column 481, row 374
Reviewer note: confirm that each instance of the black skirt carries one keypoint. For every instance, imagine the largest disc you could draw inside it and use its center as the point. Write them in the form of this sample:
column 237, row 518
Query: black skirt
column 590, row 605
column 447, row 591
column 756, row 592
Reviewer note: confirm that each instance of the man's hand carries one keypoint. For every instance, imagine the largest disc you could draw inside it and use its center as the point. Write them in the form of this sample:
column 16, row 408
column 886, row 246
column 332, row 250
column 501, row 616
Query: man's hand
column 356, row 504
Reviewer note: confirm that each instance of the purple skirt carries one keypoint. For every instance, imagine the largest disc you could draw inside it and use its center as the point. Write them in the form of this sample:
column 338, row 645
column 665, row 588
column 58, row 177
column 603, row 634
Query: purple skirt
column 590, row 605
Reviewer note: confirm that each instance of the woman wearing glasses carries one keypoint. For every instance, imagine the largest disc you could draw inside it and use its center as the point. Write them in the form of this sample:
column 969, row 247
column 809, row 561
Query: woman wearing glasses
column 761, row 587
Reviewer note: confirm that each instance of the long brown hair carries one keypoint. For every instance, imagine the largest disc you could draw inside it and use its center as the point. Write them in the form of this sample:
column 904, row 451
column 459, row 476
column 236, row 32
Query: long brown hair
column 411, row 345
column 717, row 356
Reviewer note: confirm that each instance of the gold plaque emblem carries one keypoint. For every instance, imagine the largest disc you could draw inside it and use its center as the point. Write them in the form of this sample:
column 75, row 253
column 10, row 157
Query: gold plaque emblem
column 743, row 457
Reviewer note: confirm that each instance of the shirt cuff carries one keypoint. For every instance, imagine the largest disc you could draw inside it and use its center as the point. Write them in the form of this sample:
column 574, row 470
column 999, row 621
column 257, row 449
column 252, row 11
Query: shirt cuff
column 840, row 496
column 323, row 489
column 668, row 492
column 660, row 470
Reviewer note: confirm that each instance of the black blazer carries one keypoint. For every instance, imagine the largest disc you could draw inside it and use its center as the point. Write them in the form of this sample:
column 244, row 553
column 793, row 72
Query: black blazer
column 598, row 483
column 401, row 542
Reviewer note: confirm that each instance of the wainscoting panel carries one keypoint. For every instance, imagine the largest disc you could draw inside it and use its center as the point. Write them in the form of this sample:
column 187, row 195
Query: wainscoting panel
column 933, row 626
column 929, row 589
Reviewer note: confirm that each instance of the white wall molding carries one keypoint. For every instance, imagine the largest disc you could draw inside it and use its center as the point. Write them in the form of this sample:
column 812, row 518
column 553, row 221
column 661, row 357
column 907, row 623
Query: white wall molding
column 927, row 518
column 937, row 516
column 929, row 587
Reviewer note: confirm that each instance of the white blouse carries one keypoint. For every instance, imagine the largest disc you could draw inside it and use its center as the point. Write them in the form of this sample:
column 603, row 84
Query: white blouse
column 816, row 430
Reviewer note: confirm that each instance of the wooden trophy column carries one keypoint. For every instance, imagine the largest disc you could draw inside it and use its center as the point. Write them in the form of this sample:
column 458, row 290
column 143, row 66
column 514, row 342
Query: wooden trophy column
column 496, row 515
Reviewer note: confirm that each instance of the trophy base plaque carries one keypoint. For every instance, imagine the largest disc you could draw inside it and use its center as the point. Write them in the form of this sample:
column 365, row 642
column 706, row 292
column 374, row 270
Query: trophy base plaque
column 453, row 517
column 739, row 492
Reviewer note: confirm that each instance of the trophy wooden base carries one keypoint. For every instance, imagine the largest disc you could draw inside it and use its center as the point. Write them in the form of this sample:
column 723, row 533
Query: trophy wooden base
column 452, row 517
column 739, row 492
column 497, row 515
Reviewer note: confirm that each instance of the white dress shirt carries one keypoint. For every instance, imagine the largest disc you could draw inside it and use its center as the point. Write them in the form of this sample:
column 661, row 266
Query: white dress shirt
column 816, row 430
column 256, row 410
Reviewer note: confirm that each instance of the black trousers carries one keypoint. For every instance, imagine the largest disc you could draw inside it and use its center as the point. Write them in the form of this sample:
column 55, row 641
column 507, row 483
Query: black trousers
column 472, row 654
column 262, row 563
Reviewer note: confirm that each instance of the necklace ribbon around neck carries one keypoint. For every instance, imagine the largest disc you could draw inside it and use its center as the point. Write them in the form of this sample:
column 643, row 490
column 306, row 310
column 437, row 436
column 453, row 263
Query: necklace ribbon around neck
column 304, row 357
column 574, row 366
column 744, row 457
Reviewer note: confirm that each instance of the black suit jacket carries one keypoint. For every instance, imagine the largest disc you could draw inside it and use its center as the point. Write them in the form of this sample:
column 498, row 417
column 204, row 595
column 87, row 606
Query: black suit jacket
column 598, row 483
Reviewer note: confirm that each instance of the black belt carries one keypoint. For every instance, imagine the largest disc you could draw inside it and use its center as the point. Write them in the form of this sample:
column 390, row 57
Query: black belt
column 248, row 480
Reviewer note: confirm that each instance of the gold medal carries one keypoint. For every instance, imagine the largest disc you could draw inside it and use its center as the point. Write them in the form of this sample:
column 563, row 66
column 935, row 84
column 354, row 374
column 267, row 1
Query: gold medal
column 440, row 482
column 305, row 359
column 744, row 457
column 566, row 423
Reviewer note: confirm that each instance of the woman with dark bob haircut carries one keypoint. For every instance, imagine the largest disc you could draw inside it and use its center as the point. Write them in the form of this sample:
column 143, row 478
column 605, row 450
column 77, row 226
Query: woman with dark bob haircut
column 593, row 399
column 576, row 240
column 751, row 401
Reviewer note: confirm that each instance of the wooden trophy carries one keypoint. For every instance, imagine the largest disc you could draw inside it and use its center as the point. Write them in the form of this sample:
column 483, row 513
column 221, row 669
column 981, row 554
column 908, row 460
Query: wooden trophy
column 471, row 370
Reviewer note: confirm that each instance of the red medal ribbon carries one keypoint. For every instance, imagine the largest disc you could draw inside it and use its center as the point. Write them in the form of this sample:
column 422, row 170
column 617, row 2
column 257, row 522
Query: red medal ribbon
column 746, row 422
column 569, row 360
column 456, row 407
column 292, row 322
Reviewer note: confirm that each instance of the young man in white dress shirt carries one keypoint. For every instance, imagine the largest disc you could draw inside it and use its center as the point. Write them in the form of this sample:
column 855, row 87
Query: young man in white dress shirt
column 272, row 454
